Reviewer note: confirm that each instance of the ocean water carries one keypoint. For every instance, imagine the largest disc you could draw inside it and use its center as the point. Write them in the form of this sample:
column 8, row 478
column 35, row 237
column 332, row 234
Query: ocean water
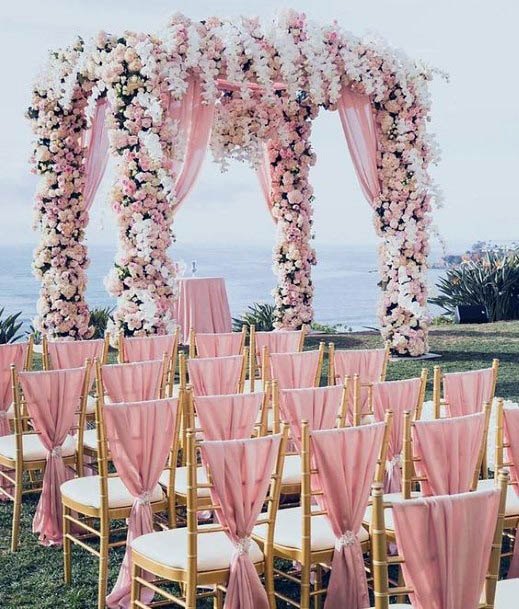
column 345, row 279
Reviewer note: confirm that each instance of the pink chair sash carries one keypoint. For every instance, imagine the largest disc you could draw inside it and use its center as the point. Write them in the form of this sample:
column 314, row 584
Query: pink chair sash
column 52, row 400
column 511, row 436
column 228, row 417
column 346, row 460
column 140, row 436
column 317, row 405
column 448, row 450
column 132, row 382
column 218, row 345
column 367, row 363
column 397, row 396
column 446, row 544
column 215, row 375
column 279, row 341
column 146, row 348
column 9, row 354
column 241, row 472
column 466, row 392
column 294, row 370
column 73, row 353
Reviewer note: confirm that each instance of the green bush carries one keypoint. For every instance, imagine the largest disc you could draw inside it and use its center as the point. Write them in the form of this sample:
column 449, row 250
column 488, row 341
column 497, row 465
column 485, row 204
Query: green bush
column 260, row 314
column 491, row 280
column 9, row 327
column 99, row 318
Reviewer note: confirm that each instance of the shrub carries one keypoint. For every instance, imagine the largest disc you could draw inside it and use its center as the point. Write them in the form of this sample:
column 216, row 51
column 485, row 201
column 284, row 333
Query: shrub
column 9, row 327
column 99, row 318
column 491, row 280
column 260, row 314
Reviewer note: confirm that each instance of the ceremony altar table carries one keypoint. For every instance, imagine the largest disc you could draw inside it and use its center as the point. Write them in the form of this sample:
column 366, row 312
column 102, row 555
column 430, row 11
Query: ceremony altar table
column 202, row 305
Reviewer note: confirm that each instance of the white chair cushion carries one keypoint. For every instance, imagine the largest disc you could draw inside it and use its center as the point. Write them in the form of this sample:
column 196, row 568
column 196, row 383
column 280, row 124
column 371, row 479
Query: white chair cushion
column 169, row 548
column 90, row 439
column 398, row 606
column 388, row 512
column 87, row 492
column 507, row 592
column 181, row 481
column 10, row 411
column 33, row 449
column 291, row 470
column 289, row 531
column 91, row 404
column 258, row 386
column 512, row 500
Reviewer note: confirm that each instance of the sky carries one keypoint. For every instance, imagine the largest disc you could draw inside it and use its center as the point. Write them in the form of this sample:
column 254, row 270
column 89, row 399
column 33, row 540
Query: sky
column 475, row 117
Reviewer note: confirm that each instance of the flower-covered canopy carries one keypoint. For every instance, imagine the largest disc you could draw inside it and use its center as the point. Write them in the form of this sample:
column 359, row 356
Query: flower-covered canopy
column 249, row 91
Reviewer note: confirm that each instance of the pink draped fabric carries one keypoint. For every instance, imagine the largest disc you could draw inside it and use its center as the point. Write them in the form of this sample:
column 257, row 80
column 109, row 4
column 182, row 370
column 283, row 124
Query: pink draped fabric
column 132, row 382
column 195, row 120
column 448, row 450
column 9, row 354
column 511, row 435
column 139, row 437
column 466, row 392
column 228, row 417
column 265, row 179
column 346, row 460
column 96, row 156
column 52, row 398
column 358, row 123
column 215, row 375
column 317, row 405
column 241, row 471
column 218, row 345
column 73, row 353
column 146, row 348
column 446, row 544
column 294, row 370
column 397, row 396
column 279, row 341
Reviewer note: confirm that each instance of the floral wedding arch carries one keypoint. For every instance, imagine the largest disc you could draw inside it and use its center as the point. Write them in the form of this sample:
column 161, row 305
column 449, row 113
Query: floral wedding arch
column 157, row 102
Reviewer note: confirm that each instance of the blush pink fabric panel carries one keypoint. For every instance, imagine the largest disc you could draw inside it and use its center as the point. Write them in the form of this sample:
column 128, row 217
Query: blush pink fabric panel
column 140, row 436
column 367, row 363
column 146, row 348
column 466, row 392
column 96, row 156
column 135, row 382
column 52, row 400
column 511, row 435
column 228, row 417
column 448, row 451
column 202, row 305
column 446, row 544
column 346, row 460
column 9, row 354
column 218, row 345
column 317, row 405
column 215, row 375
column 74, row 353
column 358, row 123
column 263, row 174
column 397, row 396
column 294, row 370
column 281, row 341
column 241, row 471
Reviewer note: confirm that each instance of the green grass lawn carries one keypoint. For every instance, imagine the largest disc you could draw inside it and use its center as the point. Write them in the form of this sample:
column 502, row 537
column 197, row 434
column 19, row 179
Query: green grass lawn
column 32, row 577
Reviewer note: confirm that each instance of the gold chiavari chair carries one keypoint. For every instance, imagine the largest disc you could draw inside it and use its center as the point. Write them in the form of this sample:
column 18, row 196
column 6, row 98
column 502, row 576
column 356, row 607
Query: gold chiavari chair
column 23, row 452
column 193, row 350
column 100, row 499
column 199, row 555
column 381, row 561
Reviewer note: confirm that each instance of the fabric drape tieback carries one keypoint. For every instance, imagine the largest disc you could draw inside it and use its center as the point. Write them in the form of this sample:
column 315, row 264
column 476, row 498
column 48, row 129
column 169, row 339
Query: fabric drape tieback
column 55, row 452
column 345, row 540
column 242, row 545
column 144, row 498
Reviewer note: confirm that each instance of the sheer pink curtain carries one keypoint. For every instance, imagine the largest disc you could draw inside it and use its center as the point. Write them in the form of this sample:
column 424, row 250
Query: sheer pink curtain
column 264, row 177
column 448, row 450
column 73, row 353
column 466, row 392
column 52, row 399
column 511, row 431
column 215, row 375
column 358, row 125
column 446, row 544
column 195, row 120
column 139, row 436
column 346, row 460
column 132, row 382
column 222, row 344
column 96, row 156
column 241, row 471
column 228, row 417
column 397, row 396
column 146, row 348
column 294, row 370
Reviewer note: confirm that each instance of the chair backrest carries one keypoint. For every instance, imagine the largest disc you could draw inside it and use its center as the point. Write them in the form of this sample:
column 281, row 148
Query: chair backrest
column 464, row 392
column 216, row 345
column 507, row 442
column 135, row 382
column 369, row 364
column 59, row 354
column 217, row 375
column 294, row 370
column 445, row 453
column 278, row 341
column 13, row 354
column 449, row 548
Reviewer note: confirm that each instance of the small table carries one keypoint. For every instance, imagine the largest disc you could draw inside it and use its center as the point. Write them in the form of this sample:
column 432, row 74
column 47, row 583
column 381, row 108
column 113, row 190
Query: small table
column 202, row 305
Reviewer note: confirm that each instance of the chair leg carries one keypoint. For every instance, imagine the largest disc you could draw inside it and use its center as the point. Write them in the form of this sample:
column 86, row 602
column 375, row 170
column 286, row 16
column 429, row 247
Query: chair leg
column 401, row 597
column 103, row 569
column 17, row 509
column 191, row 595
column 305, row 586
column 172, row 513
column 67, row 559
column 269, row 579
column 218, row 599
column 135, row 590
column 318, row 584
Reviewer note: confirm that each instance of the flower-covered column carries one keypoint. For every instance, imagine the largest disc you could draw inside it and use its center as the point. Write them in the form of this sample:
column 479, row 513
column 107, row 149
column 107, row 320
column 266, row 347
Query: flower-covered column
column 291, row 157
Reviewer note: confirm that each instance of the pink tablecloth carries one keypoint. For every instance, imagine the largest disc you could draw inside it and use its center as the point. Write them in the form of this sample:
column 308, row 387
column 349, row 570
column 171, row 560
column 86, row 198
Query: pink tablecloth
column 202, row 304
